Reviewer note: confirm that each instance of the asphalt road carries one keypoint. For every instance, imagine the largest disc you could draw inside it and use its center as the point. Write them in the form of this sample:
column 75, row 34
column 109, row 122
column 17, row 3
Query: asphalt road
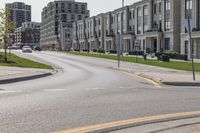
column 85, row 91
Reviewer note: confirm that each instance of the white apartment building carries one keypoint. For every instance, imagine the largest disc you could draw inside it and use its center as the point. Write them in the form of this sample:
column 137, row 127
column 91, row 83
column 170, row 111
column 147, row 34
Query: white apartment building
column 191, row 9
column 28, row 34
column 148, row 25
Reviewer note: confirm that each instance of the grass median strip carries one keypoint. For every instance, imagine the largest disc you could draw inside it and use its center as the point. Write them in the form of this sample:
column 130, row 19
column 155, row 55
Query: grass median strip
column 16, row 61
column 178, row 65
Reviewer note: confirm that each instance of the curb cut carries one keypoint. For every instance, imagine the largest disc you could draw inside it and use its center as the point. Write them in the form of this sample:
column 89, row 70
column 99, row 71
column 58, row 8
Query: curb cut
column 26, row 78
column 157, row 82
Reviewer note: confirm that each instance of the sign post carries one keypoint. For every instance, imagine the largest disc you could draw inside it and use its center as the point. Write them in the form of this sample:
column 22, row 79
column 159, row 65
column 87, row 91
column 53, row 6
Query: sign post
column 118, row 49
column 191, row 47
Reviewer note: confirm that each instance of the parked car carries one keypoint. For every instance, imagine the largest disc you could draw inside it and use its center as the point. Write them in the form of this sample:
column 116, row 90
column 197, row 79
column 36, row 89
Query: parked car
column 37, row 48
column 14, row 47
column 26, row 49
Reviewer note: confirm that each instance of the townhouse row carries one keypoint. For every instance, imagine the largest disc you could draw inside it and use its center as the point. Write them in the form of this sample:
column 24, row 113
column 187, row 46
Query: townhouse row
column 148, row 25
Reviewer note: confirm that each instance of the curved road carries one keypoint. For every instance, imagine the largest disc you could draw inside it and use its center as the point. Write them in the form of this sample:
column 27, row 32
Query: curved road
column 85, row 91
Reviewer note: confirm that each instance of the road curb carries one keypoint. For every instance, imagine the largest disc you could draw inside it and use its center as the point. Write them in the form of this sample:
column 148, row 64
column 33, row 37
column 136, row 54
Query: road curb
column 26, row 78
column 182, row 83
column 131, row 123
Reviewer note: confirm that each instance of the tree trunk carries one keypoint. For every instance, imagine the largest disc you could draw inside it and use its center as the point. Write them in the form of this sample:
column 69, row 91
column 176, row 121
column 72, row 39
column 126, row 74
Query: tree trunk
column 5, row 51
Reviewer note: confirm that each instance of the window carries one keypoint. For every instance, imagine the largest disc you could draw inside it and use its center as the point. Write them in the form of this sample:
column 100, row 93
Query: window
column 155, row 8
column 62, row 5
column 144, row 45
column 106, row 21
column 130, row 15
column 69, row 5
column 83, row 7
column 139, row 12
column 160, row 7
column 72, row 17
column 76, row 8
column 145, row 28
column 186, row 47
column 188, row 4
column 167, row 5
column 112, row 20
column 188, row 9
column 139, row 29
column 79, row 17
column 167, row 43
column 167, row 25
column 146, row 12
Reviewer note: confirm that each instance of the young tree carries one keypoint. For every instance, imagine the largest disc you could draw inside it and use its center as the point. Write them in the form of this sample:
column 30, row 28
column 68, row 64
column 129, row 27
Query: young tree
column 6, row 27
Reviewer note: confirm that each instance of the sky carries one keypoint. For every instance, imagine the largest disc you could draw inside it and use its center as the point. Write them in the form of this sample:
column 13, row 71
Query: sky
column 95, row 6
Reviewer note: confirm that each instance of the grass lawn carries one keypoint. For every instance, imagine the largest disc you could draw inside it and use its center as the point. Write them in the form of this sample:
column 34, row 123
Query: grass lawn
column 187, row 66
column 17, row 61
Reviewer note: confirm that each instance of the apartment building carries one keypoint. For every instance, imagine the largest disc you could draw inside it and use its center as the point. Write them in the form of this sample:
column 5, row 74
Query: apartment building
column 191, row 10
column 20, row 12
column 57, row 20
column 148, row 25
column 28, row 34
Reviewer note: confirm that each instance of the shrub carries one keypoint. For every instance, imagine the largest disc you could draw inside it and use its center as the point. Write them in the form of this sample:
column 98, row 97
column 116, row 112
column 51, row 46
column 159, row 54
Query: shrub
column 94, row 50
column 136, row 53
column 173, row 55
column 113, row 51
column 85, row 50
column 101, row 51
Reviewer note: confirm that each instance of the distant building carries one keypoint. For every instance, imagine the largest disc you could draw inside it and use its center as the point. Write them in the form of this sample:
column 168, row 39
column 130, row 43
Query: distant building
column 28, row 34
column 57, row 19
column 20, row 12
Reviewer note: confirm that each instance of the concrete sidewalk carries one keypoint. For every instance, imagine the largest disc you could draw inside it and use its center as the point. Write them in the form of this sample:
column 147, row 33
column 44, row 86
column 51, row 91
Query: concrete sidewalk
column 162, row 75
column 191, row 125
column 16, row 74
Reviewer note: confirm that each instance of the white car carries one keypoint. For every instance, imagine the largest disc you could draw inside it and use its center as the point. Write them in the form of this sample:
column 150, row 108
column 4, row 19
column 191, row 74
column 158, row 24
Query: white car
column 26, row 49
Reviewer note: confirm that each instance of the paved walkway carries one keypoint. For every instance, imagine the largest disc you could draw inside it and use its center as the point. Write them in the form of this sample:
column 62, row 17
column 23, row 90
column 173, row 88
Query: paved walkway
column 180, row 126
column 11, row 73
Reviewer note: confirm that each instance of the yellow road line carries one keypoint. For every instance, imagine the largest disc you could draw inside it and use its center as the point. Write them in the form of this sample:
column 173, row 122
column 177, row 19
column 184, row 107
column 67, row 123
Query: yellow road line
column 128, row 122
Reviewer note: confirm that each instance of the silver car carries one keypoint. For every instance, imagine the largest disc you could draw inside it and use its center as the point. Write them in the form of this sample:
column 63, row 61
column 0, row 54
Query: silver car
column 26, row 49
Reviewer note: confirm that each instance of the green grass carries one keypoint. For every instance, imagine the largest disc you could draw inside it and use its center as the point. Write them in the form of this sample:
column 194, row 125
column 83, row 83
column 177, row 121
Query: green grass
column 17, row 61
column 187, row 66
